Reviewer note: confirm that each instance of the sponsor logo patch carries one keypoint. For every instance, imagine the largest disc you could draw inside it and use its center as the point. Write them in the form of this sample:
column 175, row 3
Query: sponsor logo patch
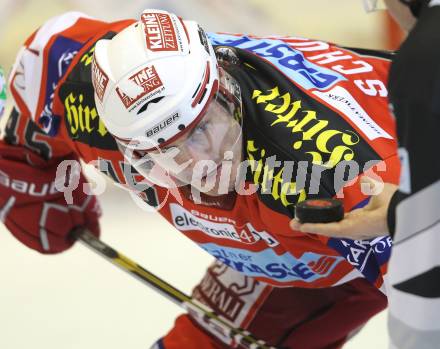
column 99, row 80
column 184, row 220
column 82, row 120
column 314, row 136
column 223, row 299
column 81, row 116
column 160, row 34
column 148, row 79
column 288, row 60
column 231, row 295
column 309, row 267
column 342, row 100
column 281, row 188
column 307, row 126
column 364, row 255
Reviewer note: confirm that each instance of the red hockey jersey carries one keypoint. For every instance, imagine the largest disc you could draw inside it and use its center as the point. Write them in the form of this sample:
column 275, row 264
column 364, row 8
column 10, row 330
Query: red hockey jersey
column 305, row 101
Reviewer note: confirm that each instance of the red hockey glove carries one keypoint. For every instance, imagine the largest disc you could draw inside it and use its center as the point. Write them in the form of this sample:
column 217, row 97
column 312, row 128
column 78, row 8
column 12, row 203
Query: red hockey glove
column 31, row 207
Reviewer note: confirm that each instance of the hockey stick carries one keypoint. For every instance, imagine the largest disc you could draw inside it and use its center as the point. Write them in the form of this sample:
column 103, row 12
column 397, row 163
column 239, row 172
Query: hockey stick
column 219, row 327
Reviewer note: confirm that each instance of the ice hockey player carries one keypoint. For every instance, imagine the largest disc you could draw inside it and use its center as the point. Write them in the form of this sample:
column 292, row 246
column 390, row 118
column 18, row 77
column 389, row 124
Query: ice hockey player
column 229, row 132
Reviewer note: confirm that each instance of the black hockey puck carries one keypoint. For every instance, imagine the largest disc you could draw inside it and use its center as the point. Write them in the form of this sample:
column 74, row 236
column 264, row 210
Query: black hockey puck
column 319, row 211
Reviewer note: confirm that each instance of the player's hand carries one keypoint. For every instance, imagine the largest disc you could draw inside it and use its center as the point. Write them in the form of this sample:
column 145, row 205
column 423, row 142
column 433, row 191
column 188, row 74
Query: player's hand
column 33, row 210
column 364, row 223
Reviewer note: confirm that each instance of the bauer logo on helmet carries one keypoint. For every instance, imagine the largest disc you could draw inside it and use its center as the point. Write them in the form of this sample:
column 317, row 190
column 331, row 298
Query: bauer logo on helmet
column 162, row 125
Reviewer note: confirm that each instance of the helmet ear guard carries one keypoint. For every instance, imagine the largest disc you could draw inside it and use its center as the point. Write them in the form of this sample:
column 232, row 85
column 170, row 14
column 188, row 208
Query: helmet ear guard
column 153, row 79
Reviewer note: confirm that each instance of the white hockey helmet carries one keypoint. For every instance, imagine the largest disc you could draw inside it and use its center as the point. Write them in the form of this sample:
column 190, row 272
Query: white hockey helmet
column 154, row 79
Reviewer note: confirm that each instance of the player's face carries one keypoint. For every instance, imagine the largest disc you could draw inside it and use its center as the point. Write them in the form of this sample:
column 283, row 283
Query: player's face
column 206, row 157
column 199, row 158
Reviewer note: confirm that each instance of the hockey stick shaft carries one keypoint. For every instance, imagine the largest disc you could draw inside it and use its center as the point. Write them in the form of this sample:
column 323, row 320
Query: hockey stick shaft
column 221, row 328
